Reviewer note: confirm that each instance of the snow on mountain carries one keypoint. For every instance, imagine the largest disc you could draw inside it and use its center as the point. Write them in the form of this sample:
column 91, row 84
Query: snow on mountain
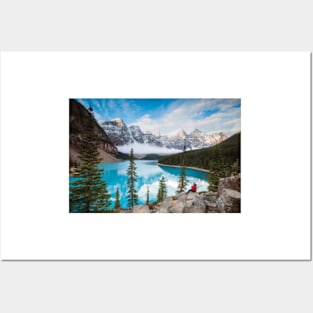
column 181, row 134
column 117, row 131
column 200, row 139
column 215, row 138
column 136, row 133
column 157, row 133
column 126, row 138
column 179, row 141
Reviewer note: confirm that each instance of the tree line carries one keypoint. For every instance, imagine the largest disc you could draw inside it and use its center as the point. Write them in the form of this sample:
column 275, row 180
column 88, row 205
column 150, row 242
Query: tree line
column 221, row 160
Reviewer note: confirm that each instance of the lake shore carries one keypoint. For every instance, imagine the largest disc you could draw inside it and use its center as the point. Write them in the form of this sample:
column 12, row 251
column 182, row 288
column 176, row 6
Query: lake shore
column 190, row 167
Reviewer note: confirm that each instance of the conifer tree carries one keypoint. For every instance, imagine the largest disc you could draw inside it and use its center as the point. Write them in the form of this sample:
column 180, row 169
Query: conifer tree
column 132, row 196
column 215, row 169
column 88, row 193
column 213, row 179
column 117, row 204
column 182, row 181
column 148, row 197
column 162, row 192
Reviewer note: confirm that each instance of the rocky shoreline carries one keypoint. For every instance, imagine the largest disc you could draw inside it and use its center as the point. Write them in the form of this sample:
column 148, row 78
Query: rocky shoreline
column 226, row 200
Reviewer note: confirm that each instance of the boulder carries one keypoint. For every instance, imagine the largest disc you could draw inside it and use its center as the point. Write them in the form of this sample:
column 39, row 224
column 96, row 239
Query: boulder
column 229, row 201
column 194, row 203
column 181, row 196
column 212, row 208
column 170, row 206
column 162, row 207
column 182, row 203
column 210, row 196
column 176, row 206
column 141, row 209
column 232, row 182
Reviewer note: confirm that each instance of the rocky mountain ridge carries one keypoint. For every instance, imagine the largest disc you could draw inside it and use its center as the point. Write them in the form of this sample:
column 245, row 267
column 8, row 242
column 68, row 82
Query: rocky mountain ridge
column 121, row 135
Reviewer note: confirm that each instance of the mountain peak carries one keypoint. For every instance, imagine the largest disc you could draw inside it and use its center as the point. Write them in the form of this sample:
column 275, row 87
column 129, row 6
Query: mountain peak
column 118, row 121
column 181, row 133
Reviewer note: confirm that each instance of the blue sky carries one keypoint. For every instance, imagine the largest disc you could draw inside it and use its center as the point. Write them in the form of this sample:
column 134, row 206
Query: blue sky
column 169, row 115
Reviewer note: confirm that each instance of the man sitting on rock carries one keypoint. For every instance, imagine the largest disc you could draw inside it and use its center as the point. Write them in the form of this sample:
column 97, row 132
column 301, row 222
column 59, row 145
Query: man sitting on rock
column 193, row 188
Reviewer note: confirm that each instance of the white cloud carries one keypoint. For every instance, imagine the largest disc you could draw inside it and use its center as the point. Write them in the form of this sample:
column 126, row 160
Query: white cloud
column 187, row 115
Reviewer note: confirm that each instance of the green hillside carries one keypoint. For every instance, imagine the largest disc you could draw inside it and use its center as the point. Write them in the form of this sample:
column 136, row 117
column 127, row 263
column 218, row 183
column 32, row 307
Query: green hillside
column 226, row 154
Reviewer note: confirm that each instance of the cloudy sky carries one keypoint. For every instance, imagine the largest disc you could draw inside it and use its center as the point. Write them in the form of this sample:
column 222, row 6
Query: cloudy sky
column 169, row 115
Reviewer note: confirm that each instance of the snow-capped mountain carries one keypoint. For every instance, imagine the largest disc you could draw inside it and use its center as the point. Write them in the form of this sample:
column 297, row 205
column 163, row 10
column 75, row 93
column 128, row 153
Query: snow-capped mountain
column 123, row 136
column 200, row 139
column 117, row 131
column 178, row 141
column 181, row 134
column 136, row 133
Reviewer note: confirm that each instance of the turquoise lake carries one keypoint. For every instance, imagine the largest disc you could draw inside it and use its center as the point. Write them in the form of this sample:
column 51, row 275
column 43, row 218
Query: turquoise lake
column 149, row 174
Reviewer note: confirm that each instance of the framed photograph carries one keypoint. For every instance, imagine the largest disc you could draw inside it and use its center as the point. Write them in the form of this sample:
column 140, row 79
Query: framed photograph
column 224, row 134
column 134, row 156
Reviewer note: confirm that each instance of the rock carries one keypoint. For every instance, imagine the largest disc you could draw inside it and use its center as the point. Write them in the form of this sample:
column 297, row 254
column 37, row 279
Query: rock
column 153, row 208
column 163, row 210
column 162, row 207
column 181, row 196
column 212, row 208
column 232, row 182
column 141, row 209
column 117, row 131
column 182, row 203
column 194, row 204
column 170, row 205
column 205, row 202
column 176, row 206
column 229, row 201
column 210, row 196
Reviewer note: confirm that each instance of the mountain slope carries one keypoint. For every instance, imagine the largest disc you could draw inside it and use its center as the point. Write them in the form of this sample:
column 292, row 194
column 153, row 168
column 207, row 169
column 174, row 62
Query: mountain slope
column 228, row 151
column 79, row 117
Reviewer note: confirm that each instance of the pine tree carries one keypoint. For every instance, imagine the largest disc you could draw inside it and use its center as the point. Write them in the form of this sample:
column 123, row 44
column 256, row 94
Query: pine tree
column 148, row 197
column 132, row 196
column 162, row 192
column 182, row 181
column 215, row 169
column 88, row 193
column 213, row 179
column 117, row 204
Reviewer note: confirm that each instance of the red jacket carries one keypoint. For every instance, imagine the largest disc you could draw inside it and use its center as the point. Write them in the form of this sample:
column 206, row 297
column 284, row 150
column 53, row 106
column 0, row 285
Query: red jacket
column 194, row 188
